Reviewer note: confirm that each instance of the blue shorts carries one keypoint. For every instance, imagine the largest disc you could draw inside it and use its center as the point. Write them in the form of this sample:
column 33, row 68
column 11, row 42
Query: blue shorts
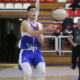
column 32, row 57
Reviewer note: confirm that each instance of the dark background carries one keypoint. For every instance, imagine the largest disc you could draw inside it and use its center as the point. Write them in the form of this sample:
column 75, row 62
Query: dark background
column 6, row 25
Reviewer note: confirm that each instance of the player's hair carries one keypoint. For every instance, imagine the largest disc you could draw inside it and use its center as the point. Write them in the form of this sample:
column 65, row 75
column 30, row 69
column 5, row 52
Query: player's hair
column 30, row 7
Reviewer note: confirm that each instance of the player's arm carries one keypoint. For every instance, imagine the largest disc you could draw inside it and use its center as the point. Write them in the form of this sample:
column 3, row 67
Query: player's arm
column 41, row 37
column 71, row 41
column 25, row 27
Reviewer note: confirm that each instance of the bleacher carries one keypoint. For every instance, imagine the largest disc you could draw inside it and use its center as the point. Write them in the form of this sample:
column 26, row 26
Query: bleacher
column 43, row 1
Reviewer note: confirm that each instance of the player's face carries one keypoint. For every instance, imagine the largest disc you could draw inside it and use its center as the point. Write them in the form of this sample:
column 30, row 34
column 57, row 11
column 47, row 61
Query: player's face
column 32, row 13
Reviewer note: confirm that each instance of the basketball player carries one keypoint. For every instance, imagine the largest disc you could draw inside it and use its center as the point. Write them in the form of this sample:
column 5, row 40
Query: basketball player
column 30, row 45
column 76, row 46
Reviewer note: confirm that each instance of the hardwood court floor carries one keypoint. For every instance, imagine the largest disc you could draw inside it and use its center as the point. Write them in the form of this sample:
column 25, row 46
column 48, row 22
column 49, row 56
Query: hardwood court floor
column 52, row 73
column 47, row 78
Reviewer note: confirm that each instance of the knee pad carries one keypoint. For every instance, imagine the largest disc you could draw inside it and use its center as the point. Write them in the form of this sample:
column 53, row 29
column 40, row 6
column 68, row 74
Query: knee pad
column 27, row 69
column 41, row 71
column 41, row 68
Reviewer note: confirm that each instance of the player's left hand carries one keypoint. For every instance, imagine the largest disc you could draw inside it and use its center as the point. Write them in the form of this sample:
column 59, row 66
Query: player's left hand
column 51, row 27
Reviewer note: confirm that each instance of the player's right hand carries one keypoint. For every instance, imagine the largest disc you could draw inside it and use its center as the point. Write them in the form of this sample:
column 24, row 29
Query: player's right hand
column 75, row 44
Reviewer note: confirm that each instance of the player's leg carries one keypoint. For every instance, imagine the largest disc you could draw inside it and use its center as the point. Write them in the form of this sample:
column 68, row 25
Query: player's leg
column 41, row 71
column 24, row 64
column 39, row 63
column 27, row 70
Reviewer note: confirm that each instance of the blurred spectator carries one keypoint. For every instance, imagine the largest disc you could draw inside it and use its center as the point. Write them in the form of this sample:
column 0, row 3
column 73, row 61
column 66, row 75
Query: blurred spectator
column 57, row 32
column 75, row 4
column 52, row 40
column 67, row 24
column 65, row 42
column 11, row 46
column 66, row 32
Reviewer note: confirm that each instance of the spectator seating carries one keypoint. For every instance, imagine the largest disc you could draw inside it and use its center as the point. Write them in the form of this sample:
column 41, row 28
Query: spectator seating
column 51, row 0
column 2, row 1
column 62, row 1
column 70, row 1
column 9, row 5
column 25, row 5
column 18, row 5
column 77, row 12
column 70, row 12
column 56, row 1
column 18, row 0
column 76, row 19
column 67, row 6
column 2, row 5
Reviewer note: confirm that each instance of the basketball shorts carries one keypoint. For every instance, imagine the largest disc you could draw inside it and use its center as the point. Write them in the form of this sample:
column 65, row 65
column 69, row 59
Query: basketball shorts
column 32, row 57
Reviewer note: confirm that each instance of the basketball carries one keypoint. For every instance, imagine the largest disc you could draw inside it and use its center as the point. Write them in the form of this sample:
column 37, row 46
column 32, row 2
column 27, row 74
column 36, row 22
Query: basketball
column 59, row 13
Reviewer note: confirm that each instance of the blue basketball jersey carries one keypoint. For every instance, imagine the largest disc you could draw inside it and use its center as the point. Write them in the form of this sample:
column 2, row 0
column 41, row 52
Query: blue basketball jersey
column 27, row 41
